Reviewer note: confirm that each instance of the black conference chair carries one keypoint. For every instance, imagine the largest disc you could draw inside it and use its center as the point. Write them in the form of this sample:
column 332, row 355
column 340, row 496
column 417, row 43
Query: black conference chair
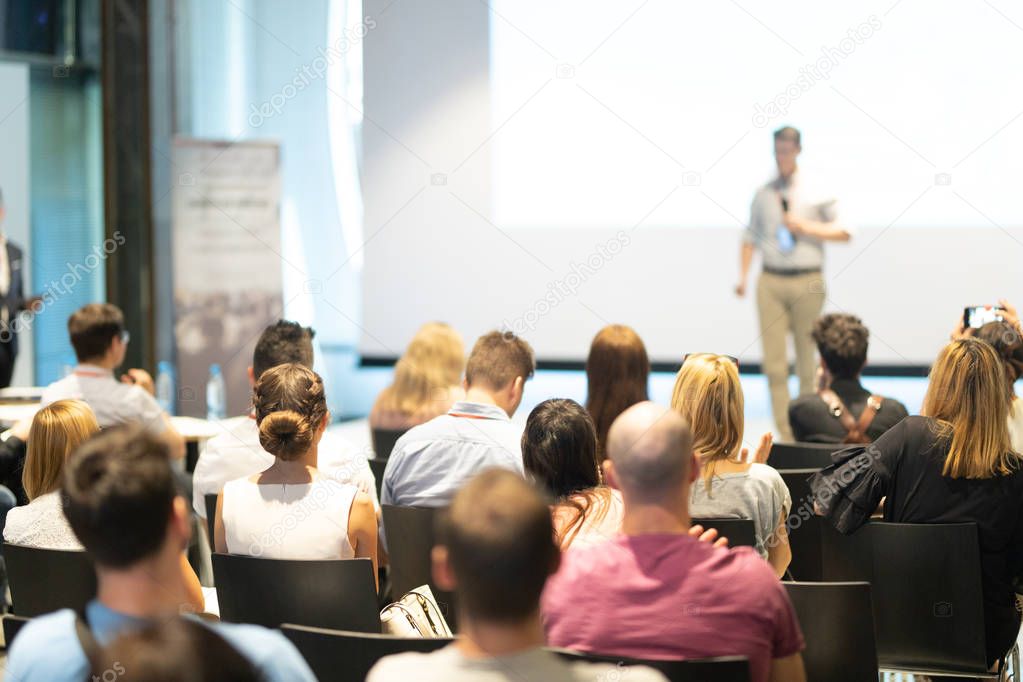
column 802, row 455
column 838, row 624
column 722, row 669
column 926, row 586
column 333, row 654
column 210, row 501
column 45, row 580
column 804, row 527
column 384, row 440
column 740, row 532
column 338, row 594
column 12, row 626
column 410, row 539
column 378, row 466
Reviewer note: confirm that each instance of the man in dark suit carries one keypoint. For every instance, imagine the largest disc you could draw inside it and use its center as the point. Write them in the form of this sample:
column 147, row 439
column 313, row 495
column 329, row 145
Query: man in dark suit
column 842, row 410
column 12, row 301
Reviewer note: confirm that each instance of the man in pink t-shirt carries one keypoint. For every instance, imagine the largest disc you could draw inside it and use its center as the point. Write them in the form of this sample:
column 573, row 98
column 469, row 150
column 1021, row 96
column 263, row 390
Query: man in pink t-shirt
column 655, row 592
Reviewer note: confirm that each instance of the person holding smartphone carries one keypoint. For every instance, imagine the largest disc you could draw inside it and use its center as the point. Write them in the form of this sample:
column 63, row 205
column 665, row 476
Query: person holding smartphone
column 789, row 225
column 1000, row 327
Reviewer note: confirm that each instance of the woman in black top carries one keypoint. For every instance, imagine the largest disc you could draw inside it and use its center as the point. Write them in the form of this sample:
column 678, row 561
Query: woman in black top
column 952, row 465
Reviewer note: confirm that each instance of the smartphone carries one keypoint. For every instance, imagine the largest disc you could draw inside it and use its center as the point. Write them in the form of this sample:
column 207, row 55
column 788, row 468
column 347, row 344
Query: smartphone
column 977, row 316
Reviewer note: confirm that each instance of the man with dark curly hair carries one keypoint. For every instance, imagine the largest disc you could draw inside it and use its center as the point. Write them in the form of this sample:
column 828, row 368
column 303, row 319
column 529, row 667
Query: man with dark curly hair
column 842, row 411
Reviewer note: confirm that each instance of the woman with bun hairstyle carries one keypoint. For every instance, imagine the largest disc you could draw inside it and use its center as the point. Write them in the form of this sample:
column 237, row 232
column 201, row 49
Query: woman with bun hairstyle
column 291, row 510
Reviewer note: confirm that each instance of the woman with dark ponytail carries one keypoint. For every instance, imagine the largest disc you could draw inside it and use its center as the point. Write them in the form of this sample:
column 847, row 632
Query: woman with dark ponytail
column 291, row 510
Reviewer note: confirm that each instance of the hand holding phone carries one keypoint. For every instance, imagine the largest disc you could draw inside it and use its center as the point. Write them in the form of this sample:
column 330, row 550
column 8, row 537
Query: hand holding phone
column 977, row 316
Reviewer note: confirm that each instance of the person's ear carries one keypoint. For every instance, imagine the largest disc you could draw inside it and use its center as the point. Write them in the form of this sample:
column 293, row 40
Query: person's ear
column 443, row 576
column 465, row 384
column 609, row 474
column 252, row 375
column 518, row 386
column 694, row 467
column 180, row 521
column 324, row 422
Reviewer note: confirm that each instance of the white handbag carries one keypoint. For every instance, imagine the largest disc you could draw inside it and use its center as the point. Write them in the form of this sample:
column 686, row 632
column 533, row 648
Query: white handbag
column 416, row 614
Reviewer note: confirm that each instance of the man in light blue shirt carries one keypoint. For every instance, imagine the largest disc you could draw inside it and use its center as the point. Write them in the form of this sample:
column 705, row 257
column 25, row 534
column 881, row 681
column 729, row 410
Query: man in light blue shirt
column 120, row 500
column 432, row 461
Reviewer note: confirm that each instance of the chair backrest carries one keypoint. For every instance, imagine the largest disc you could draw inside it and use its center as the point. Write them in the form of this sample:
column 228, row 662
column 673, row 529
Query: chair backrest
column 339, row 593
column 12, row 626
column 740, row 532
column 838, row 625
column 926, row 586
column 802, row 455
column 211, row 515
column 804, row 526
column 44, row 580
column 410, row 539
column 336, row 654
column 722, row 669
column 378, row 466
column 384, row 440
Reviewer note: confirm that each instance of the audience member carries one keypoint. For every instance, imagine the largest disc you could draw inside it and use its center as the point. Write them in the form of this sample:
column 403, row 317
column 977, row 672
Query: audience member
column 842, row 410
column 495, row 550
column 427, row 380
column 337, row 519
column 559, row 452
column 617, row 373
column 708, row 394
column 655, row 592
column 13, row 450
column 57, row 430
column 100, row 342
column 121, row 502
column 1008, row 343
column 236, row 453
column 432, row 461
column 174, row 650
column 953, row 464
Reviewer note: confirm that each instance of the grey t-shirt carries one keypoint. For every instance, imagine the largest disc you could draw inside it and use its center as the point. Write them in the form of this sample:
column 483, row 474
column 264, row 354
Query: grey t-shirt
column 758, row 494
column 536, row 665
column 804, row 201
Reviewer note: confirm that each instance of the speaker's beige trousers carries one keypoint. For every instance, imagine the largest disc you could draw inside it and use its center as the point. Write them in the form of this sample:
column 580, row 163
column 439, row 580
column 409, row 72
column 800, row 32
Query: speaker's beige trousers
column 788, row 304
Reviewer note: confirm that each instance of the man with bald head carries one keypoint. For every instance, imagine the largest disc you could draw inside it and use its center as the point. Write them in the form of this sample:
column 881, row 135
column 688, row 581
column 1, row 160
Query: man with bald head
column 495, row 549
column 654, row 591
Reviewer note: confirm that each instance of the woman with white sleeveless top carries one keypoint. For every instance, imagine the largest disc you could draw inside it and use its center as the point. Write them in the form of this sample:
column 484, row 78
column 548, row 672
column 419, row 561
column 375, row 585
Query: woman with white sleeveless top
column 291, row 510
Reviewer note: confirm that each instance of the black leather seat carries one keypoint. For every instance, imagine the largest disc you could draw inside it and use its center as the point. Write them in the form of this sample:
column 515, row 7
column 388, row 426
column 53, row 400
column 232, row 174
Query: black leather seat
column 338, row 594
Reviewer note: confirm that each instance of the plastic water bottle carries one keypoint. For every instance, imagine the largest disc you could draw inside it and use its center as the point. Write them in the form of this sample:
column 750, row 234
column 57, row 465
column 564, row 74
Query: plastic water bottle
column 216, row 397
column 165, row 386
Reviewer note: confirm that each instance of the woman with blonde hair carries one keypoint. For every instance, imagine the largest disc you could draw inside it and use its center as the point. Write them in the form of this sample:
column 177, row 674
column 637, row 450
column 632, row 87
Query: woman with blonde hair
column 427, row 380
column 709, row 395
column 56, row 431
column 952, row 464
column 617, row 373
column 291, row 510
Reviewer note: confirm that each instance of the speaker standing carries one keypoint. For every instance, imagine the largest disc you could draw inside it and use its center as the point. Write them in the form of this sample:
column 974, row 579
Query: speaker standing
column 789, row 224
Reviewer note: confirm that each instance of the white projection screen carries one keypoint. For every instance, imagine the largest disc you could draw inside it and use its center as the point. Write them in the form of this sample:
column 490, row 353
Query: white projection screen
column 551, row 167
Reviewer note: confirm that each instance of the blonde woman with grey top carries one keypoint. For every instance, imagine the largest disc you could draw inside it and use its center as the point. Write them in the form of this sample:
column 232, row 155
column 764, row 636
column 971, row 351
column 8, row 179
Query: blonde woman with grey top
column 709, row 395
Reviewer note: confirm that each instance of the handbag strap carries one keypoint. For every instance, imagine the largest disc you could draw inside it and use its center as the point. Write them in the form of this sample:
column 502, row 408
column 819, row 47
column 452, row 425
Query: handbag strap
column 409, row 616
column 90, row 647
column 438, row 627
column 856, row 429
